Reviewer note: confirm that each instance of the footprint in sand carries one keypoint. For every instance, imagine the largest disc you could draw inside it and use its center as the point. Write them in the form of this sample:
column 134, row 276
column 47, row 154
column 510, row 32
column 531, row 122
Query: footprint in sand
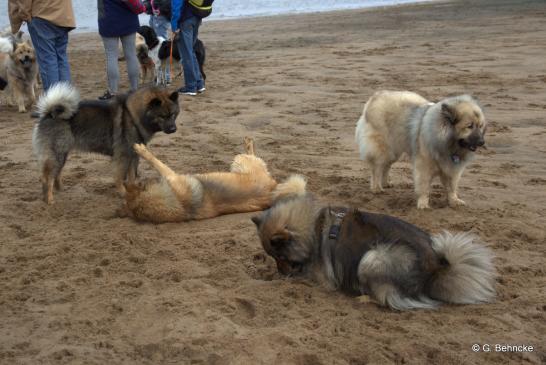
column 246, row 307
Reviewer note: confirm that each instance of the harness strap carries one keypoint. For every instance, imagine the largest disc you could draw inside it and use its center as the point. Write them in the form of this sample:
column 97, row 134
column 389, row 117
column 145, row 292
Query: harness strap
column 333, row 233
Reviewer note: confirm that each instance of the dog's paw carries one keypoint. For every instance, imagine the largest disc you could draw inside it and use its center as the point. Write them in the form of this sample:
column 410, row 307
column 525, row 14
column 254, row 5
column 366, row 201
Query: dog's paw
column 249, row 145
column 122, row 212
column 22, row 109
column 140, row 148
column 456, row 202
column 422, row 203
column 377, row 190
column 364, row 299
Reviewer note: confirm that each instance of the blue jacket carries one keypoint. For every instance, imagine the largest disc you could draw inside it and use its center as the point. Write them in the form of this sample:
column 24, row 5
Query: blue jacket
column 180, row 12
column 115, row 19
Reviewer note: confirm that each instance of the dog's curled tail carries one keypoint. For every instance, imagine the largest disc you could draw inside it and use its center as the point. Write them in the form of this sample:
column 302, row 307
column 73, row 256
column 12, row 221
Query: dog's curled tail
column 469, row 275
column 6, row 45
column 293, row 186
column 359, row 132
column 60, row 101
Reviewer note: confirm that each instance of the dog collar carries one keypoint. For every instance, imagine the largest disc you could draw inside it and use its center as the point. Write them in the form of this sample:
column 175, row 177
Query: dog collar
column 455, row 158
column 333, row 233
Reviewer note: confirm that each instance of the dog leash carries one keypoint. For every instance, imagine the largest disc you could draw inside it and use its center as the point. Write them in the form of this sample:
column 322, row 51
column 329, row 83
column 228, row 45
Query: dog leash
column 171, row 55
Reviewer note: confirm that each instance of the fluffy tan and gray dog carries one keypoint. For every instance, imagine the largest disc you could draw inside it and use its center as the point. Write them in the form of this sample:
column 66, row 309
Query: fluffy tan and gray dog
column 19, row 68
column 440, row 138
column 394, row 262
column 247, row 187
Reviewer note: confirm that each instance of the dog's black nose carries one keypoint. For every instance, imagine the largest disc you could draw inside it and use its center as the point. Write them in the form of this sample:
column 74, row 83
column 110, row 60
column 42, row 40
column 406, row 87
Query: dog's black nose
column 481, row 142
column 170, row 130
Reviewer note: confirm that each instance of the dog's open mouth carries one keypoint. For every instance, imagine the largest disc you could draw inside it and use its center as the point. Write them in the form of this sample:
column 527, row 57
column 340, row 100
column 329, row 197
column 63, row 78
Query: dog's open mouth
column 464, row 144
column 26, row 62
column 287, row 267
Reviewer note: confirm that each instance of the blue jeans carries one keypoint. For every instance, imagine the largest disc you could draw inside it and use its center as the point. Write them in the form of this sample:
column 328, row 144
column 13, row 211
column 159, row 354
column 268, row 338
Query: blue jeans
column 50, row 41
column 189, row 29
column 160, row 25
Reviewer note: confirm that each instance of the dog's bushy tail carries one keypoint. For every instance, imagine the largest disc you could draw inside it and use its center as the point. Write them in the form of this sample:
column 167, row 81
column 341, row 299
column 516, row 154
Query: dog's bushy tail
column 469, row 275
column 293, row 186
column 6, row 45
column 359, row 132
column 60, row 101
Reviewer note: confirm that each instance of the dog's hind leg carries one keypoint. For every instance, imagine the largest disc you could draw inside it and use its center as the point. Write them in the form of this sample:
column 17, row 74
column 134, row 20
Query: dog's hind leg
column 385, row 177
column 249, row 146
column 61, row 160
column 377, row 178
column 391, row 275
column 49, row 171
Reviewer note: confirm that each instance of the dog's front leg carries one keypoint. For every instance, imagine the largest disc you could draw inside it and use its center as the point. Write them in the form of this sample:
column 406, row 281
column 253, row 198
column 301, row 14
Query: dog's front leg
column 180, row 184
column 422, row 177
column 122, row 171
column 20, row 99
column 132, row 171
column 451, row 184
column 32, row 94
column 164, row 170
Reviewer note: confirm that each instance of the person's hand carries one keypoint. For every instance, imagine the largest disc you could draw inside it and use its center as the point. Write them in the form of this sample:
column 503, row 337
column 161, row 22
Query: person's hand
column 177, row 31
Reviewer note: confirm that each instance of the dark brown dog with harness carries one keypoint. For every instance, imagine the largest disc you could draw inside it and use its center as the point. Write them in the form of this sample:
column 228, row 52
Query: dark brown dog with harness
column 394, row 262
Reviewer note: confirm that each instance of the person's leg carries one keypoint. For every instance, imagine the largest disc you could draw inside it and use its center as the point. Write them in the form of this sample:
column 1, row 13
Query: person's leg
column 42, row 35
column 196, row 71
column 161, row 26
column 61, row 42
column 112, row 71
column 129, row 50
column 187, row 55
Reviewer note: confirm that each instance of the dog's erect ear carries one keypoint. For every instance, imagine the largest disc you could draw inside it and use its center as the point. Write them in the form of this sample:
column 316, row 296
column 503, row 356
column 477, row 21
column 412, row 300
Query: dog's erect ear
column 449, row 113
column 174, row 96
column 257, row 219
column 154, row 103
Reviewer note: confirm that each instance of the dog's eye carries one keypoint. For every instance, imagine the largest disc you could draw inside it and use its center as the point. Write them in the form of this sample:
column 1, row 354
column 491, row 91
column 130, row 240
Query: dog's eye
column 277, row 243
column 470, row 126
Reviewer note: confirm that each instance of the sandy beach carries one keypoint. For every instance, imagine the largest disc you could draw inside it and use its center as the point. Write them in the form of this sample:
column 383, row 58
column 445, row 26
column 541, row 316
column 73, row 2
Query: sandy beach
column 79, row 285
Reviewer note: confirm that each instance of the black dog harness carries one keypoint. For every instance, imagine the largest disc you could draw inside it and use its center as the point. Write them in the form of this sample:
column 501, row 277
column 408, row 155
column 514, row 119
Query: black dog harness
column 336, row 226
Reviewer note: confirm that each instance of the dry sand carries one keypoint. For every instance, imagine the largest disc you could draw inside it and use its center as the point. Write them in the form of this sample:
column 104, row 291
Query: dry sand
column 80, row 286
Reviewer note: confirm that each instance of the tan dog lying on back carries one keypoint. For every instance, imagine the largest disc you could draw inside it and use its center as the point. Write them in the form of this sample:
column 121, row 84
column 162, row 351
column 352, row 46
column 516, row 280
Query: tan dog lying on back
column 440, row 138
column 247, row 187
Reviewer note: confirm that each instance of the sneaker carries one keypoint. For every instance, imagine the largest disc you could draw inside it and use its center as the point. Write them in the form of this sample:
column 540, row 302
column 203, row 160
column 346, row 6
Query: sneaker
column 201, row 90
column 185, row 91
column 107, row 96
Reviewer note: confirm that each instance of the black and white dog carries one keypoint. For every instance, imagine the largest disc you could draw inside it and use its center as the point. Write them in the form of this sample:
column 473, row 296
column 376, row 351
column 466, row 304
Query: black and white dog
column 160, row 51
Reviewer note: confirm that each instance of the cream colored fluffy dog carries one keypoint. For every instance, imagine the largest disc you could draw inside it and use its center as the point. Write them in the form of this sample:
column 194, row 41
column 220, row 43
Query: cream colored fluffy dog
column 440, row 138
